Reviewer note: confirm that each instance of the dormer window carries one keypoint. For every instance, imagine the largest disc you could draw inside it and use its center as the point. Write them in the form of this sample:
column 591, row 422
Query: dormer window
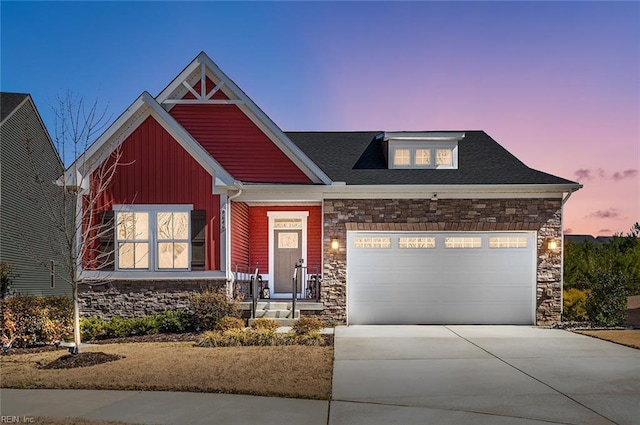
column 422, row 150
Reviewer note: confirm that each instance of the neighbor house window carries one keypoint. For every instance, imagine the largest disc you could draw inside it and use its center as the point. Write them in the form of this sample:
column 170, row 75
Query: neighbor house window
column 155, row 239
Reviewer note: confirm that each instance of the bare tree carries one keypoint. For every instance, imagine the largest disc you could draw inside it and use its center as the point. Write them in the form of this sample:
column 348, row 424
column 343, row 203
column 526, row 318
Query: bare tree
column 78, row 229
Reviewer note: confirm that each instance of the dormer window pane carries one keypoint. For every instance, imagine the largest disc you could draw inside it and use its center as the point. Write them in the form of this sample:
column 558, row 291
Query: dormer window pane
column 444, row 157
column 402, row 157
column 423, row 156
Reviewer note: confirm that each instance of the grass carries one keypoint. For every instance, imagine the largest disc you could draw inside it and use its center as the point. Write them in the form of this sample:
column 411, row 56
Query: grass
column 289, row 371
column 630, row 337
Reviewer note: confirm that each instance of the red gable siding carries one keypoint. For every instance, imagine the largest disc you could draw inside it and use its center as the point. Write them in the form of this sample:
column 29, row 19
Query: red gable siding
column 239, row 235
column 259, row 234
column 237, row 143
column 155, row 169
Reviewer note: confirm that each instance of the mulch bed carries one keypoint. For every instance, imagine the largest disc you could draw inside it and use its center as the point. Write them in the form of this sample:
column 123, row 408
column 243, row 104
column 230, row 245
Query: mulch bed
column 80, row 360
column 185, row 337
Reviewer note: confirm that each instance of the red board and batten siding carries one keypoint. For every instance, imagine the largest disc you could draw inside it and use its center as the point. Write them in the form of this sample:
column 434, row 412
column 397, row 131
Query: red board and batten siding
column 259, row 234
column 236, row 142
column 155, row 169
column 239, row 235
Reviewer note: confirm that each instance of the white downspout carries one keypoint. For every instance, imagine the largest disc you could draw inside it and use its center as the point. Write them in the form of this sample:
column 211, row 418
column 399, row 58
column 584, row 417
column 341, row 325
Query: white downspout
column 230, row 276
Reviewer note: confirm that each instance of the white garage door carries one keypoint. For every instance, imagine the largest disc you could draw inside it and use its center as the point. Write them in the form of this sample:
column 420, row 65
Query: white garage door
column 441, row 278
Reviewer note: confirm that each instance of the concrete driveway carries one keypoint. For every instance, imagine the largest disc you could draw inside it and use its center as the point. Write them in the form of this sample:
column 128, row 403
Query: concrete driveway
column 481, row 375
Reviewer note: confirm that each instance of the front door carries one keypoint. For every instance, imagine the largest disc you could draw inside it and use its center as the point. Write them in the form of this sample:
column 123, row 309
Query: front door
column 287, row 252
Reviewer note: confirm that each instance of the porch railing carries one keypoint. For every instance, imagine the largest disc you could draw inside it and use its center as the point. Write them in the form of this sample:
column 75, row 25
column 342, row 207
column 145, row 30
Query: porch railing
column 305, row 284
column 248, row 286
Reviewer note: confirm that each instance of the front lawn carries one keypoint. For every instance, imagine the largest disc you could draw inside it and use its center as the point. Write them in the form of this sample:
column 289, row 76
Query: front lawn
column 285, row 371
column 628, row 337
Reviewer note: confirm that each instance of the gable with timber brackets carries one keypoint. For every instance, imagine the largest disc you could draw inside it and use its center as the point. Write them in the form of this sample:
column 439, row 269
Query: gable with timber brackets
column 233, row 130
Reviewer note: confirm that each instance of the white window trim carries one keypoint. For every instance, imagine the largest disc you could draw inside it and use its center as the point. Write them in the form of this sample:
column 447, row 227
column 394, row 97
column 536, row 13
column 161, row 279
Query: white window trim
column 272, row 216
column 432, row 146
column 153, row 239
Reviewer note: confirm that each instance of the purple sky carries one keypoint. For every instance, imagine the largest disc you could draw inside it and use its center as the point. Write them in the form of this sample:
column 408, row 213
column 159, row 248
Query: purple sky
column 557, row 84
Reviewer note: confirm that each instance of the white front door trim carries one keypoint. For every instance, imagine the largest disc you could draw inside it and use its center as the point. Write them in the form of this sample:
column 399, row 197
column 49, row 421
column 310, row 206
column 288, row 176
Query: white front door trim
column 273, row 215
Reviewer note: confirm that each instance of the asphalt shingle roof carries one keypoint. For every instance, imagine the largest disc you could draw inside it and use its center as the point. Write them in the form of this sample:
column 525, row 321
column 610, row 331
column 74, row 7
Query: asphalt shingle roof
column 9, row 102
column 356, row 158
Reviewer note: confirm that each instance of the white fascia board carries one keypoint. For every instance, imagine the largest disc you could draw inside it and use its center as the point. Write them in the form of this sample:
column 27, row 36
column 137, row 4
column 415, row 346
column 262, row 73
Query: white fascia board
column 96, row 153
column 449, row 191
column 173, row 85
column 292, row 193
column 254, row 113
column 424, row 135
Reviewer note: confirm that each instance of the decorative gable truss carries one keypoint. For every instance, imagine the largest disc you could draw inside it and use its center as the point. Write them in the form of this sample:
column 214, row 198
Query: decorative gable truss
column 203, row 83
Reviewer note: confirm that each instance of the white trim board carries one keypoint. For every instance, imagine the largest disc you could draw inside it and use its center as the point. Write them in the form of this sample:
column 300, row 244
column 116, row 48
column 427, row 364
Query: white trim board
column 272, row 216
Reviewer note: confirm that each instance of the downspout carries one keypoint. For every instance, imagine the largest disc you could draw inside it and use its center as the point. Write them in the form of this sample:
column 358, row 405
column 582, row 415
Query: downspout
column 230, row 276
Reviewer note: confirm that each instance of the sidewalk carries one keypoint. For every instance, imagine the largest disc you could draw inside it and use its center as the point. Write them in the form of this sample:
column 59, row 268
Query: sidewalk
column 163, row 407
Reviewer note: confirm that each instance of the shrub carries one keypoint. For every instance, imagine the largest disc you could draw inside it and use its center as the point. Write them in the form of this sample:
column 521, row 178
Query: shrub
column 177, row 321
column 119, row 327
column 210, row 339
column 264, row 323
column 5, row 279
column 147, row 325
column 607, row 302
column 227, row 323
column 92, row 328
column 28, row 320
column 313, row 338
column 574, row 304
column 209, row 307
column 305, row 325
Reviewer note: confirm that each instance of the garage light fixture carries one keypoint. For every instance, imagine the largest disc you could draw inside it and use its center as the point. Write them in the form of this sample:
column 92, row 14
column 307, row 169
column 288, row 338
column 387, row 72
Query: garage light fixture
column 552, row 244
column 434, row 197
column 335, row 244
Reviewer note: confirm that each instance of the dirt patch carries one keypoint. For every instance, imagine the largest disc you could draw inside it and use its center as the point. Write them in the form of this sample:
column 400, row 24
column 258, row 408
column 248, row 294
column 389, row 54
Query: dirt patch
column 628, row 337
column 83, row 359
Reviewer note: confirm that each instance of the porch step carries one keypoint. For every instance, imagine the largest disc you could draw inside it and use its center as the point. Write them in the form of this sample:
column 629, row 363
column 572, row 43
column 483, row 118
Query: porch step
column 281, row 321
column 283, row 305
column 276, row 314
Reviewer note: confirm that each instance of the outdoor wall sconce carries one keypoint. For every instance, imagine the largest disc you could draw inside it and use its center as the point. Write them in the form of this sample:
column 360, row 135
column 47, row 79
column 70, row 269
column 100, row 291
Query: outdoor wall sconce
column 434, row 197
column 335, row 244
column 552, row 244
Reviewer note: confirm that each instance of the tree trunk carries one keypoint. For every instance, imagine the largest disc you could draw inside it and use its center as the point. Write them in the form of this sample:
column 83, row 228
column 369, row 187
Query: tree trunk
column 76, row 319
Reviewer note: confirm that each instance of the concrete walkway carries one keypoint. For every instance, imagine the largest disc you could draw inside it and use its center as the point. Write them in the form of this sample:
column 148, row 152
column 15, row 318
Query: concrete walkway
column 163, row 407
column 405, row 375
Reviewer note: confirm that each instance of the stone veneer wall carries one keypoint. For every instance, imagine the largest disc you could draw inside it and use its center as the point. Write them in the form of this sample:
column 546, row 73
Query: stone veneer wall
column 540, row 215
column 138, row 298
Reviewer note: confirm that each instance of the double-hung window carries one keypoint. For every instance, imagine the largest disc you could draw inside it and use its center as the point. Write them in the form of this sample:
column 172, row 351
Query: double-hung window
column 153, row 237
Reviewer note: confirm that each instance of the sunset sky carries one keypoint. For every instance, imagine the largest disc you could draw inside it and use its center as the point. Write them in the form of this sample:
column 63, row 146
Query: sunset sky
column 557, row 84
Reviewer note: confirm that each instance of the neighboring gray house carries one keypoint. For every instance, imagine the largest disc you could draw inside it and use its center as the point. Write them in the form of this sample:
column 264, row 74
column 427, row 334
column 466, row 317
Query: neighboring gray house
column 29, row 164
